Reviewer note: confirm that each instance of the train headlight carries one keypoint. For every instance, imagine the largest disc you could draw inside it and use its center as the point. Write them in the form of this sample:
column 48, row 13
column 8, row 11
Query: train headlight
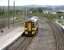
column 33, row 32
column 26, row 32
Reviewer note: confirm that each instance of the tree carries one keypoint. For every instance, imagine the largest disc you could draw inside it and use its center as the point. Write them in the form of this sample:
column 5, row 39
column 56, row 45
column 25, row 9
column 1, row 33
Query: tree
column 40, row 10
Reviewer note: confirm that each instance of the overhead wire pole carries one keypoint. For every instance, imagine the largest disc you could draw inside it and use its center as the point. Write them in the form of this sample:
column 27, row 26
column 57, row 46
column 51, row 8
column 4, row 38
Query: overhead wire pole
column 24, row 14
column 26, row 11
column 14, row 11
column 8, row 15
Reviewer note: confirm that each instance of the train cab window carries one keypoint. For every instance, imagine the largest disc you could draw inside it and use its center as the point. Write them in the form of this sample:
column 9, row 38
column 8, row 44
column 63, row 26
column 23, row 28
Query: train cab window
column 25, row 24
column 32, row 24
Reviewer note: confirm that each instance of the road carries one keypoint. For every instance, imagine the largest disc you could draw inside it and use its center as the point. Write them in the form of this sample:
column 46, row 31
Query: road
column 49, row 37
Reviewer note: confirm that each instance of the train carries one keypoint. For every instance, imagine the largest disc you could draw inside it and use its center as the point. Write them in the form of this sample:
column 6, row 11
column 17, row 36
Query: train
column 31, row 26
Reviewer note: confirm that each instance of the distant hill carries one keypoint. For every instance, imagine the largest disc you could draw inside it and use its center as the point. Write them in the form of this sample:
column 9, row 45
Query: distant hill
column 47, row 7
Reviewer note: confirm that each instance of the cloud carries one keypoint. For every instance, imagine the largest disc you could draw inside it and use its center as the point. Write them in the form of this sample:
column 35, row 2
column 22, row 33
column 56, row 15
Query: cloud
column 49, row 2
column 30, row 2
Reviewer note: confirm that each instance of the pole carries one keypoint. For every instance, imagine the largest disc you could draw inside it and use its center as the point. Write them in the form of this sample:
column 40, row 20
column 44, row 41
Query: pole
column 26, row 11
column 24, row 14
column 13, row 12
column 8, row 16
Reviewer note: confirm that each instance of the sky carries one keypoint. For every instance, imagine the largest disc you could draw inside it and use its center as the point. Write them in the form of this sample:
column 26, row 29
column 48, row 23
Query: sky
column 32, row 2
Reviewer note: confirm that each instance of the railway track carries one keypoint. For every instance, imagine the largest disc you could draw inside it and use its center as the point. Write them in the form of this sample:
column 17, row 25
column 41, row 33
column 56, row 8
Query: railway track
column 58, row 35
column 20, row 44
column 25, row 43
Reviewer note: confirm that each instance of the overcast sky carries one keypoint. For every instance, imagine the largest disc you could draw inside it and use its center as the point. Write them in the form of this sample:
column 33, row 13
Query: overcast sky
column 32, row 2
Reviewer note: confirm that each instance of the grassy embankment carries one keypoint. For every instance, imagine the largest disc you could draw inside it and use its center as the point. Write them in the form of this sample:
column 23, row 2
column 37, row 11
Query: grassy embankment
column 49, row 16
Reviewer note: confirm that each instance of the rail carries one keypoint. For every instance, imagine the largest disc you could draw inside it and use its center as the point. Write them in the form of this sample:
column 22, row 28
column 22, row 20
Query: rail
column 58, row 34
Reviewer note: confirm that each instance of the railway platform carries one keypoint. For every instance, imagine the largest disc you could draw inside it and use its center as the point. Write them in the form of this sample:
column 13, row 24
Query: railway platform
column 9, row 37
column 60, row 24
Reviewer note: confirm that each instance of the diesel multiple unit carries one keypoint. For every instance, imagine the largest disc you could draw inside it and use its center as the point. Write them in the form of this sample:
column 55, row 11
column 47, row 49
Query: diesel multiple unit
column 31, row 27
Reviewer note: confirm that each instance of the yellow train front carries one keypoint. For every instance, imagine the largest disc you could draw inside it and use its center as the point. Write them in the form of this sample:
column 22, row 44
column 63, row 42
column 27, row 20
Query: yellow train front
column 30, row 28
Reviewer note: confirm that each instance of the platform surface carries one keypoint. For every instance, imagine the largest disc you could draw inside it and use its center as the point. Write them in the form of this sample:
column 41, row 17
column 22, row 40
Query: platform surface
column 8, row 37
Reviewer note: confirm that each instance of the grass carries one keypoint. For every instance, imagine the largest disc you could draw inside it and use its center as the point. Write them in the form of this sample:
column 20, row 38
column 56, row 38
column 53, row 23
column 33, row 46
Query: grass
column 20, row 17
column 49, row 16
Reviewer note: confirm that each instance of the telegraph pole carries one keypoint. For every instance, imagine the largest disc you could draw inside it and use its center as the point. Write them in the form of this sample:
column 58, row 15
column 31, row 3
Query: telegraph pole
column 8, row 16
